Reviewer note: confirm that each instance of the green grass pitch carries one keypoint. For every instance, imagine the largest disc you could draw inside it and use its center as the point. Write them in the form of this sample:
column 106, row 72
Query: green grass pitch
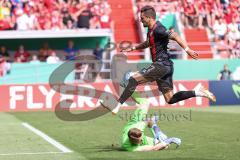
column 209, row 134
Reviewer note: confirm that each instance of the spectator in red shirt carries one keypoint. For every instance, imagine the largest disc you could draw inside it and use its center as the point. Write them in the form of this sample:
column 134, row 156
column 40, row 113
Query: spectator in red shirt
column 43, row 19
column 204, row 13
column 48, row 14
column 41, row 7
column 228, row 16
column 4, row 25
column 50, row 4
column 190, row 14
column 74, row 6
column 7, row 23
column 105, row 21
column 21, row 55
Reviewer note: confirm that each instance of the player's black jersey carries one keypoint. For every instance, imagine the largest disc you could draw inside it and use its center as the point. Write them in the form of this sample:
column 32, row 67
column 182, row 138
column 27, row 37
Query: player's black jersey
column 158, row 38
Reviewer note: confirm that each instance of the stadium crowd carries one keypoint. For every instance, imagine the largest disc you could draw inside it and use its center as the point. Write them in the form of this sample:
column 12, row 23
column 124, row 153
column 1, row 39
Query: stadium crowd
column 54, row 14
column 221, row 17
column 45, row 54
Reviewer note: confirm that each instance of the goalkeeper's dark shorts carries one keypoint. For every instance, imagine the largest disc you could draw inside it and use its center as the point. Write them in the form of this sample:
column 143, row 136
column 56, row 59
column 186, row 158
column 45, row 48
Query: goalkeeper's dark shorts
column 160, row 73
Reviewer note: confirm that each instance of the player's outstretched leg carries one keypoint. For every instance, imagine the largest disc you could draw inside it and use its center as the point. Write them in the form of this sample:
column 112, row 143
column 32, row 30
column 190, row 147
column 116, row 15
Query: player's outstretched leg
column 128, row 91
column 203, row 92
column 182, row 95
column 130, row 82
column 114, row 105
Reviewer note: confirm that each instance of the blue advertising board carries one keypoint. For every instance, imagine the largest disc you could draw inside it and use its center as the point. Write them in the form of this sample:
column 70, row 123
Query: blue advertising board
column 227, row 92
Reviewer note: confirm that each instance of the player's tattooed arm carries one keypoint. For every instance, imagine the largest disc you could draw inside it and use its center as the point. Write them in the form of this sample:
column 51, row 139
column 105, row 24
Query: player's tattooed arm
column 174, row 36
column 143, row 45
column 140, row 46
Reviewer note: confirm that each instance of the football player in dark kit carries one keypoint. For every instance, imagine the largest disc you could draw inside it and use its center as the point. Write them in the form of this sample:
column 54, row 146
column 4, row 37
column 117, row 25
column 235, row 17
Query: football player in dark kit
column 161, row 70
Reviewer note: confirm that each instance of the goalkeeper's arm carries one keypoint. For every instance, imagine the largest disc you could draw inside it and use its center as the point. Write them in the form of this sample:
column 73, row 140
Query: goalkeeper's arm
column 157, row 147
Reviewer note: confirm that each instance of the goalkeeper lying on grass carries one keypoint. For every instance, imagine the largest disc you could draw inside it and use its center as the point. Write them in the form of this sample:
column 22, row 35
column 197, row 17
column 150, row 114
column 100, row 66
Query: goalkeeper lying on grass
column 133, row 138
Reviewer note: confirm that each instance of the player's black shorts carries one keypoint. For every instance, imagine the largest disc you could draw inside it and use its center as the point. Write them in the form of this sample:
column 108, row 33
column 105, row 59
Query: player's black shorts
column 160, row 73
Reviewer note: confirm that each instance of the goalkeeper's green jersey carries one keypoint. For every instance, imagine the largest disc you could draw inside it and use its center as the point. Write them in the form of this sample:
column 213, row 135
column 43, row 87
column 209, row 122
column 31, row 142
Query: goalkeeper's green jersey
column 136, row 122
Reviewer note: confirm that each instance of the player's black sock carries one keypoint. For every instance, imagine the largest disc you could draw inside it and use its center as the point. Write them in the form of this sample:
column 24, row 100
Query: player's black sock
column 182, row 95
column 128, row 91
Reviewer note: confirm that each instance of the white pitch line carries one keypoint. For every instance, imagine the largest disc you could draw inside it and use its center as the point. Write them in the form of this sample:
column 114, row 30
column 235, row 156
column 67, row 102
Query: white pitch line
column 29, row 153
column 47, row 138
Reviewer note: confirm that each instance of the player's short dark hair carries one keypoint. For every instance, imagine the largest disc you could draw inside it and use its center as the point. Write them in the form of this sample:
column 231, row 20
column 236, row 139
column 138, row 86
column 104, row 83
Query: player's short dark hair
column 134, row 135
column 149, row 11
